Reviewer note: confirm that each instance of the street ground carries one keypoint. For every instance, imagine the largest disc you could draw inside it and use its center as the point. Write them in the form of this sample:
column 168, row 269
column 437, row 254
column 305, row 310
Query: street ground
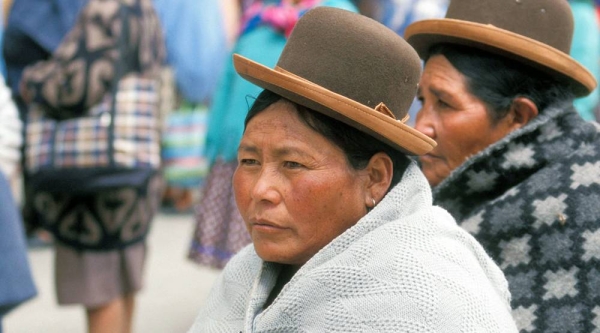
column 175, row 287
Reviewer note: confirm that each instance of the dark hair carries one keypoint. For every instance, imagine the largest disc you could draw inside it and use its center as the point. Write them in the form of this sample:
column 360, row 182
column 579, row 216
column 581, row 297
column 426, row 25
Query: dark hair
column 358, row 146
column 497, row 80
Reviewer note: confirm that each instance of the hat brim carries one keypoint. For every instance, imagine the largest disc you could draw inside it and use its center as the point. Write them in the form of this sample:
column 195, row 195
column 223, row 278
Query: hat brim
column 423, row 34
column 315, row 97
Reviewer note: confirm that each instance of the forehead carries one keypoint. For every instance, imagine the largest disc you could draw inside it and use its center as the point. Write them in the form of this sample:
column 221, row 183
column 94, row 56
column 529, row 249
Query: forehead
column 279, row 131
column 281, row 115
column 280, row 124
column 440, row 71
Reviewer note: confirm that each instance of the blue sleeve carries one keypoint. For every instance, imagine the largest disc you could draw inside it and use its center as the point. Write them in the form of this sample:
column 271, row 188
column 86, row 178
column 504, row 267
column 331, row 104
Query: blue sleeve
column 196, row 45
column 343, row 4
column 586, row 49
column 16, row 281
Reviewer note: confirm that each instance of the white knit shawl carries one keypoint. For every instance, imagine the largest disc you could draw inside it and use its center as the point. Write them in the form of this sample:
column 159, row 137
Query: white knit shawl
column 404, row 267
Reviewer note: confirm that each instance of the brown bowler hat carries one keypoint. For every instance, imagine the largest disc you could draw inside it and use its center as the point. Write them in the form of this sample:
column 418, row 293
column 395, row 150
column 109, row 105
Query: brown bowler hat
column 536, row 32
column 350, row 68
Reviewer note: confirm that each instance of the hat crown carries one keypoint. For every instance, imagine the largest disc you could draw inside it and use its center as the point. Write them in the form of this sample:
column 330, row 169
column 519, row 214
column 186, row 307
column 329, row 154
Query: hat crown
column 547, row 21
column 354, row 56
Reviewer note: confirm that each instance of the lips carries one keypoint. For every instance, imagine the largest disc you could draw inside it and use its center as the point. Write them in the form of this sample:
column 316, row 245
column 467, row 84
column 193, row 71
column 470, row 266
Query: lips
column 265, row 224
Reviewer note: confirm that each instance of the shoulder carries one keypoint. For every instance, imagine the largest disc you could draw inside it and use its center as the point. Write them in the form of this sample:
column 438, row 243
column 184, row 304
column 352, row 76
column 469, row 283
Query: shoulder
column 426, row 268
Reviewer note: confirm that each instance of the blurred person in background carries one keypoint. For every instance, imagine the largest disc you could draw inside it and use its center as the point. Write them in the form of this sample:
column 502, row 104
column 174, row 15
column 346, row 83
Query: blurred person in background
column 597, row 9
column 76, row 77
column 197, row 44
column 585, row 49
column 11, row 129
column 264, row 28
column 34, row 30
column 16, row 281
column 516, row 165
column 398, row 14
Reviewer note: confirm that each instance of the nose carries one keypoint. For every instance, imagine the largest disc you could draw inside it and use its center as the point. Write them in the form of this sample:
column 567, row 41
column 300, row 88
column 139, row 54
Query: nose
column 424, row 121
column 265, row 188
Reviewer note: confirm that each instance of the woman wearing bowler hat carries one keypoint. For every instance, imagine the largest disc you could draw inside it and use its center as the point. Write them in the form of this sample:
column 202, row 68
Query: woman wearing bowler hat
column 344, row 236
column 515, row 164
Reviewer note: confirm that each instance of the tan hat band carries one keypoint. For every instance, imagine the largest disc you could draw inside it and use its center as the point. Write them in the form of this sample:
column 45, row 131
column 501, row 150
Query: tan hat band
column 381, row 107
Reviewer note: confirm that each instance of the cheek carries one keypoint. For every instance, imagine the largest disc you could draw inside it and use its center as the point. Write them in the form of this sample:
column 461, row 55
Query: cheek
column 461, row 140
column 327, row 207
column 306, row 198
column 240, row 184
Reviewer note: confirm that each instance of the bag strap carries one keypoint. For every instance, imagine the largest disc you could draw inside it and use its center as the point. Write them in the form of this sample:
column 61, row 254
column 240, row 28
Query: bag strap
column 119, row 73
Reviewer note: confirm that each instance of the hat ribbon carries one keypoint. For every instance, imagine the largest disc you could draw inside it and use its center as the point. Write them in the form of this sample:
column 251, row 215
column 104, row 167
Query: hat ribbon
column 381, row 107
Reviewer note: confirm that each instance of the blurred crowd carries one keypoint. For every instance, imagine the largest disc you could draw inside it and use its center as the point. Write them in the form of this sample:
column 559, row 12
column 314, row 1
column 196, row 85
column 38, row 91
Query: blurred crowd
column 202, row 106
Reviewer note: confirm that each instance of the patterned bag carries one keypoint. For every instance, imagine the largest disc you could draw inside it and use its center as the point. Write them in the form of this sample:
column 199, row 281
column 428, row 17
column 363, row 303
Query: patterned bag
column 114, row 145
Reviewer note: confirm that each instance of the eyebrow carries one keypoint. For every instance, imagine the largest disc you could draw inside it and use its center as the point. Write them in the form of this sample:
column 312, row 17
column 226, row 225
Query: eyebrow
column 278, row 152
column 248, row 149
column 437, row 92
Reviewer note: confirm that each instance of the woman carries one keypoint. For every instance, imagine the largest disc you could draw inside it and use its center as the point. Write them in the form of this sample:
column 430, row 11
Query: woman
column 344, row 237
column 77, row 77
column 265, row 26
column 516, row 165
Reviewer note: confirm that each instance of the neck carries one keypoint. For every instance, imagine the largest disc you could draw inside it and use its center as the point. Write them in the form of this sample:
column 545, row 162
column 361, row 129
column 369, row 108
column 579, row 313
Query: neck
column 285, row 275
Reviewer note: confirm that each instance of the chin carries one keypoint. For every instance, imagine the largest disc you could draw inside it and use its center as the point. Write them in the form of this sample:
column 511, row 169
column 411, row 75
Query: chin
column 267, row 253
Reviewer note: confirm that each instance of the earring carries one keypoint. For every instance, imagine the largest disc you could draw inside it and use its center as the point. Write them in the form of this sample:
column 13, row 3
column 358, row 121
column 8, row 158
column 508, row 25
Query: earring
column 374, row 203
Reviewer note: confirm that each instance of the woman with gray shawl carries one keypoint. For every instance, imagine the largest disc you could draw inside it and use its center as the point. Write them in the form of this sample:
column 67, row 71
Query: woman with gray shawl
column 344, row 235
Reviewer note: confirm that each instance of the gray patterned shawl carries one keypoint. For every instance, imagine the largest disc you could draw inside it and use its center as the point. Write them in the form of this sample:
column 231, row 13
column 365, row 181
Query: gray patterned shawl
column 404, row 267
column 533, row 201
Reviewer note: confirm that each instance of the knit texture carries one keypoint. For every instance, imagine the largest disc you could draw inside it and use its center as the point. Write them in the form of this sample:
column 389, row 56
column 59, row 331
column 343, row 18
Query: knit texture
column 404, row 267
column 533, row 201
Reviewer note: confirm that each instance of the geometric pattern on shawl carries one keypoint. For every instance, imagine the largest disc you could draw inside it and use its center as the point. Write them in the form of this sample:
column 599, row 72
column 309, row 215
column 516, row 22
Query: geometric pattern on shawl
column 533, row 201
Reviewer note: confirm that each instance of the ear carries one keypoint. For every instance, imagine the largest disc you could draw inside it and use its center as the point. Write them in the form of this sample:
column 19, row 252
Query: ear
column 380, row 171
column 522, row 111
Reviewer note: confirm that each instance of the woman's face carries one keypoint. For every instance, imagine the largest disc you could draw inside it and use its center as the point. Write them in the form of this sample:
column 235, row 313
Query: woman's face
column 453, row 117
column 294, row 188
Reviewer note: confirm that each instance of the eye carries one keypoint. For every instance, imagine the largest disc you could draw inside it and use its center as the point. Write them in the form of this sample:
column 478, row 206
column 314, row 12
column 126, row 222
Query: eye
column 442, row 104
column 248, row 161
column 292, row 165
